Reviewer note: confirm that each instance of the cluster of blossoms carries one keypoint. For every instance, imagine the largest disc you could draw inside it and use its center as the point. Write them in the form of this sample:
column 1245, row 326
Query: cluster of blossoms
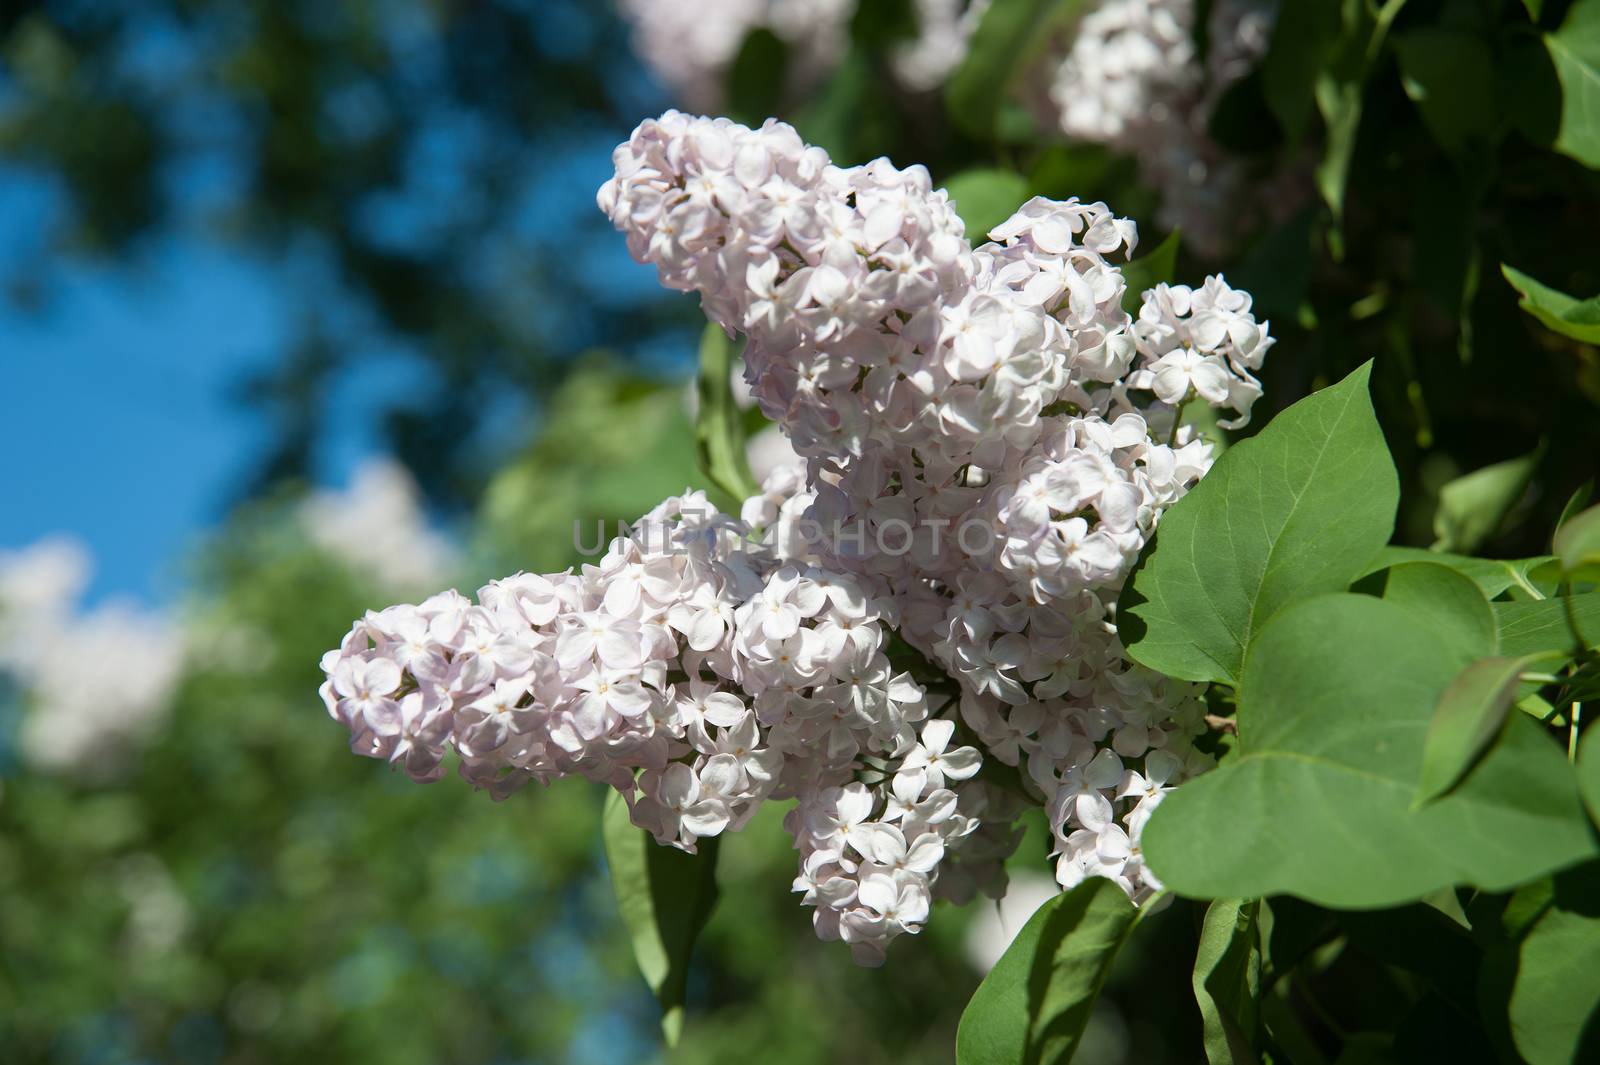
column 94, row 681
column 696, row 671
column 1127, row 74
column 985, row 441
column 1132, row 80
column 692, row 47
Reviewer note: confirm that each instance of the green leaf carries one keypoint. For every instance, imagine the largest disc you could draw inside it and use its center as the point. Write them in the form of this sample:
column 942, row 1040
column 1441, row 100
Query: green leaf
column 1575, row 52
column 1044, row 985
column 1543, row 982
column 984, row 197
column 1445, row 603
column 1294, row 511
column 1010, row 34
column 1531, row 626
column 1339, row 88
column 1227, row 980
column 1589, row 772
column 1473, row 507
column 1079, row 942
column 756, row 77
column 1443, row 71
column 1492, row 576
column 1575, row 503
column 1577, row 541
column 1578, row 319
column 1469, row 715
column 719, row 427
column 1302, row 39
column 1148, row 271
column 665, row 897
column 1337, row 695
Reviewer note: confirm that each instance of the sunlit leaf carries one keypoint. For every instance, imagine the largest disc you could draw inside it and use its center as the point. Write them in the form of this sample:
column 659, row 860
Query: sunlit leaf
column 665, row 897
column 1296, row 510
column 1316, row 801
column 1034, row 1003
column 1578, row 319
column 1575, row 52
column 984, row 197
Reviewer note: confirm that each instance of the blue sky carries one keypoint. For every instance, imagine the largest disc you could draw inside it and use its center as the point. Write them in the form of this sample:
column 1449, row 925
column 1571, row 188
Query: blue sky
column 118, row 426
column 118, row 417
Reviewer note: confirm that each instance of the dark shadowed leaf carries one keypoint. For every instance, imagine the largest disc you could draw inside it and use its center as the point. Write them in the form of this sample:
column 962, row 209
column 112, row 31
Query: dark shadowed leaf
column 1227, row 980
column 1542, row 981
column 1442, row 70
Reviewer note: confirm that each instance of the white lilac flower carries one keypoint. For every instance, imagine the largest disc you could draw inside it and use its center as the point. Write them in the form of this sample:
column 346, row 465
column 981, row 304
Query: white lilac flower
column 984, row 442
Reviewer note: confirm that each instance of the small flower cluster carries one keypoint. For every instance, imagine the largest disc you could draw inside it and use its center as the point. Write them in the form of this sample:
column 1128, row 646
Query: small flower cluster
column 985, row 441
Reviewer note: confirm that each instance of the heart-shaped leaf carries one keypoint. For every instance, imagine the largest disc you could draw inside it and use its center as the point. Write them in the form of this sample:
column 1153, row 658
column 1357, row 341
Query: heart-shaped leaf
column 1295, row 511
column 1317, row 801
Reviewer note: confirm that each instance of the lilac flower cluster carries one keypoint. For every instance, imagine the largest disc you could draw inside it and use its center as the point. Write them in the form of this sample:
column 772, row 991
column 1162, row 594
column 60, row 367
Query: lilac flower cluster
column 929, row 388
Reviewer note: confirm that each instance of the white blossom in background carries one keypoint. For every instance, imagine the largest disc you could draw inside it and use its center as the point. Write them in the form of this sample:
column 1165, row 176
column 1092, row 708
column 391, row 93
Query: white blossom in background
column 377, row 524
column 1129, row 70
column 944, row 32
column 93, row 682
column 928, row 389
column 692, row 46
column 1131, row 80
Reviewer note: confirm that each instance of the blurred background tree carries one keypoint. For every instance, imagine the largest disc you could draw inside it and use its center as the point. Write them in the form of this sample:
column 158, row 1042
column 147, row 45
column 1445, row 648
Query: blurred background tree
column 235, row 887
